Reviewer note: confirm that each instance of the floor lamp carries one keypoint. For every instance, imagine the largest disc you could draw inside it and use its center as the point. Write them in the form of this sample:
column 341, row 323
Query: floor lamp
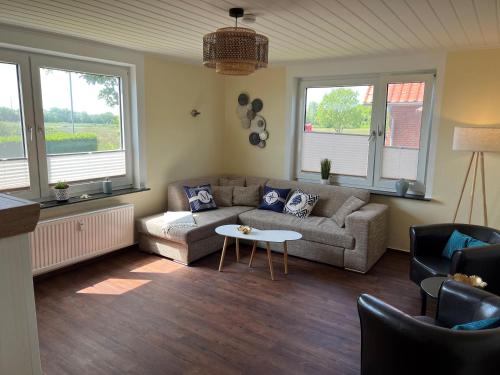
column 478, row 140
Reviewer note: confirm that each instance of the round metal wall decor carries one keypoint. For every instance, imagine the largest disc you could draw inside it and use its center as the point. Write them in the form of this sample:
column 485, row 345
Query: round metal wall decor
column 245, row 123
column 254, row 139
column 243, row 99
column 257, row 105
column 241, row 111
column 258, row 123
column 251, row 114
column 249, row 119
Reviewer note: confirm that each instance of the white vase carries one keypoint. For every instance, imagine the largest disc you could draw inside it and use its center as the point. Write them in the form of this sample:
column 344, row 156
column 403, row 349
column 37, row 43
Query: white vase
column 325, row 182
column 62, row 195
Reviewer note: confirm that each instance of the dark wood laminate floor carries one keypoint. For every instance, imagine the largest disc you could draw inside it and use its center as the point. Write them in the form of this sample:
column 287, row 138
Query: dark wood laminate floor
column 133, row 313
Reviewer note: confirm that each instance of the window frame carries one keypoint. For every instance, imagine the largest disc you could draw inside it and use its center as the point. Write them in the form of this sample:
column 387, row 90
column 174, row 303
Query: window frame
column 304, row 84
column 32, row 113
column 374, row 180
column 419, row 184
column 21, row 59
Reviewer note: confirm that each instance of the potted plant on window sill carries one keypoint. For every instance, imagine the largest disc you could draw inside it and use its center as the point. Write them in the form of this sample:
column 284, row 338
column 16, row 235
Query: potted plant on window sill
column 326, row 165
column 61, row 190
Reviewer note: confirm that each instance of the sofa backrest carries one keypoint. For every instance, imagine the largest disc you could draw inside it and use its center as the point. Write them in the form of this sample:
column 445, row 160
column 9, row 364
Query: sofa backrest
column 177, row 200
column 331, row 197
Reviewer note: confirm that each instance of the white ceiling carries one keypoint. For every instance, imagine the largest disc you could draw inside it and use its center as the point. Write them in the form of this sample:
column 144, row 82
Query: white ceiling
column 297, row 29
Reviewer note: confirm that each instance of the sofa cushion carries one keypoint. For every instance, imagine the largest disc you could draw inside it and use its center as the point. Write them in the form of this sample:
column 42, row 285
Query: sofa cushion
column 350, row 205
column 232, row 181
column 223, row 195
column 206, row 222
column 273, row 199
column 246, row 196
column 331, row 197
column 200, row 198
column 301, row 204
column 312, row 228
column 261, row 181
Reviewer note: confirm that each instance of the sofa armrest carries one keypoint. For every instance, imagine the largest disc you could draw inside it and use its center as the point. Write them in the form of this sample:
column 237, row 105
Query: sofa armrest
column 368, row 226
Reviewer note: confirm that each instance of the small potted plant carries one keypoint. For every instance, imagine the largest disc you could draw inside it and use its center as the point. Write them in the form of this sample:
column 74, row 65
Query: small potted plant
column 61, row 189
column 326, row 165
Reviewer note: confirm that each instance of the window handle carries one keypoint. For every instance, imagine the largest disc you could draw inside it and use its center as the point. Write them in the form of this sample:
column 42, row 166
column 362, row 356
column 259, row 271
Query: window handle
column 372, row 136
column 380, row 131
column 30, row 130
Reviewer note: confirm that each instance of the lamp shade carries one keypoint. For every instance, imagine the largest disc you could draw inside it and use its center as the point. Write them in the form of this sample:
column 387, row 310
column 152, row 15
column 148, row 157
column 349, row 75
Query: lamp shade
column 476, row 138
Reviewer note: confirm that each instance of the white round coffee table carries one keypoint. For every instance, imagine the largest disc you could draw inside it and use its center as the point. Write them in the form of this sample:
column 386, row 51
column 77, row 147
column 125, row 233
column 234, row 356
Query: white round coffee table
column 257, row 235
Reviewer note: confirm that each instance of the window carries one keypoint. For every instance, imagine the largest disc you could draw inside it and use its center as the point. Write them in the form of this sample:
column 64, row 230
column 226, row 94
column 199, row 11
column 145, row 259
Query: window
column 375, row 129
column 62, row 120
column 14, row 172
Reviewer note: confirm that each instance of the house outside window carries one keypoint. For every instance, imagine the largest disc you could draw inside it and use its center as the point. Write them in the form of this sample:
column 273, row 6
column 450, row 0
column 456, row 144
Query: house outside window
column 375, row 129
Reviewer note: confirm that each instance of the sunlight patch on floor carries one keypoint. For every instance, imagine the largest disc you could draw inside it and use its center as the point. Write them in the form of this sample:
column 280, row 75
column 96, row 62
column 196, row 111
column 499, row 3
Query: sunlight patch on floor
column 159, row 266
column 114, row 286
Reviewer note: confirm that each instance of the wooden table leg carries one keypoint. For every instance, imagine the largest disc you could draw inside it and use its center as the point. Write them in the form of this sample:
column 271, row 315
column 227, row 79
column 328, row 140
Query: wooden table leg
column 270, row 259
column 285, row 256
column 223, row 253
column 253, row 253
column 237, row 250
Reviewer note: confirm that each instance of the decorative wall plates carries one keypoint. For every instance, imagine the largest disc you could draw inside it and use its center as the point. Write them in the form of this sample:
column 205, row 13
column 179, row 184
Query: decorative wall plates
column 243, row 99
column 247, row 113
column 245, row 123
column 241, row 111
column 251, row 114
column 254, row 138
column 258, row 123
column 257, row 105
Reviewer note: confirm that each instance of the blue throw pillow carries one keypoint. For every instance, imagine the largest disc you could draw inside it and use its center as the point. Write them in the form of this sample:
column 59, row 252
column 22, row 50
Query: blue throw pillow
column 459, row 241
column 200, row 198
column 273, row 199
column 478, row 325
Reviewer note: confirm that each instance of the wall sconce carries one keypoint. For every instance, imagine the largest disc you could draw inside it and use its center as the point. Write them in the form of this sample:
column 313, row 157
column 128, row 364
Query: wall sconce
column 195, row 113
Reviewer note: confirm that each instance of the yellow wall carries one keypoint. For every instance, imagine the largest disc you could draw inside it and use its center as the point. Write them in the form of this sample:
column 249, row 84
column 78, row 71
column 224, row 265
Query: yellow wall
column 240, row 157
column 471, row 95
column 177, row 145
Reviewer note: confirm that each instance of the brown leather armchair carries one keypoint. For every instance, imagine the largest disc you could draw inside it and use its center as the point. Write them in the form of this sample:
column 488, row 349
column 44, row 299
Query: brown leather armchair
column 428, row 241
column 393, row 342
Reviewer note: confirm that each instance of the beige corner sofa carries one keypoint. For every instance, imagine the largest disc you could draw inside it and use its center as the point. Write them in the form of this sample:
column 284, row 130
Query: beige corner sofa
column 355, row 247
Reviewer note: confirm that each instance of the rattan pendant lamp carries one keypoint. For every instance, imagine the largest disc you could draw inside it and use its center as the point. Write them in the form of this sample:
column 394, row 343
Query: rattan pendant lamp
column 235, row 50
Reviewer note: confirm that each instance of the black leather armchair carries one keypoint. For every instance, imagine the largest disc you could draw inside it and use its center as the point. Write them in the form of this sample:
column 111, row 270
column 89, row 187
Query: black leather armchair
column 393, row 342
column 428, row 241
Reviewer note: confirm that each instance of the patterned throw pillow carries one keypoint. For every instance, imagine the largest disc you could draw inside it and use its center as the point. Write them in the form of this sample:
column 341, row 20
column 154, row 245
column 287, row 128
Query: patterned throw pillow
column 273, row 199
column 200, row 198
column 301, row 204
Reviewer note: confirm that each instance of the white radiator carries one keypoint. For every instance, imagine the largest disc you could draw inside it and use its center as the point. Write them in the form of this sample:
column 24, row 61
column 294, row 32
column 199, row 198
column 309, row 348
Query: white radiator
column 56, row 243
